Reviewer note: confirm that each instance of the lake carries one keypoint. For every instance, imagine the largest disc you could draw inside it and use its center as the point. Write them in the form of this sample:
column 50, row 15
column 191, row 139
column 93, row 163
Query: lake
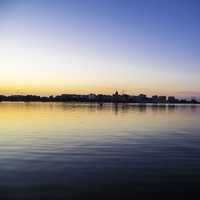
column 89, row 151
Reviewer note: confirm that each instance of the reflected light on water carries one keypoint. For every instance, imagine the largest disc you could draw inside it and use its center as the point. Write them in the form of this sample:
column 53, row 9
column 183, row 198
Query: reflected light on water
column 75, row 145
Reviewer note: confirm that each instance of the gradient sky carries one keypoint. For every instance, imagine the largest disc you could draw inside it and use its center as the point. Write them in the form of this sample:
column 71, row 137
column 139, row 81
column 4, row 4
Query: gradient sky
column 82, row 46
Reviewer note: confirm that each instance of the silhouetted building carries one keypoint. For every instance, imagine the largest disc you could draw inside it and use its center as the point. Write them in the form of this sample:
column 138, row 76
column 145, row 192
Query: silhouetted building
column 51, row 98
column 154, row 99
column 141, row 98
column 171, row 99
column 125, row 98
column 116, row 97
column 92, row 97
column 193, row 100
column 162, row 99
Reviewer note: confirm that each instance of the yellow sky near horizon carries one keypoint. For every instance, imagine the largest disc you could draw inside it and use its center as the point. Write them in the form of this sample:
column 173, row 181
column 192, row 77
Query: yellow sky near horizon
column 55, row 90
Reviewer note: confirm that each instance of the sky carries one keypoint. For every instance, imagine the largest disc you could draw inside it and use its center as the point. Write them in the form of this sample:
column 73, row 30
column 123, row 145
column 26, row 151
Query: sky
column 83, row 46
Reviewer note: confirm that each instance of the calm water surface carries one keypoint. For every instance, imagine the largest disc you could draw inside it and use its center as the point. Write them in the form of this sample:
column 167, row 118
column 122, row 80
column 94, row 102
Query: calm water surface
column 82, row 151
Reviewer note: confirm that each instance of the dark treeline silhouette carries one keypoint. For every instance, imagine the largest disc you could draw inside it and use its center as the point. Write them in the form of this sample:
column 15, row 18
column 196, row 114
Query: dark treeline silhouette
column 101, row 98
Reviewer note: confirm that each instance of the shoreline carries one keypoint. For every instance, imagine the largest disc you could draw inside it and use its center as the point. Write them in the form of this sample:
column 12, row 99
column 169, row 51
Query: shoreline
column 100, row 98
column 104, row 103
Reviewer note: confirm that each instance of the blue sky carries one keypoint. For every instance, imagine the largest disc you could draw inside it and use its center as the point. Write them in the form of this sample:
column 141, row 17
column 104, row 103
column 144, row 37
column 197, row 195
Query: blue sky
column 83, row 46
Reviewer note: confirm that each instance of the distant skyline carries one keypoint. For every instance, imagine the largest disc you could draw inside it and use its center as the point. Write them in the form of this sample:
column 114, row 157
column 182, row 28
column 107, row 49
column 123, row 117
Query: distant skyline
column 83, row 46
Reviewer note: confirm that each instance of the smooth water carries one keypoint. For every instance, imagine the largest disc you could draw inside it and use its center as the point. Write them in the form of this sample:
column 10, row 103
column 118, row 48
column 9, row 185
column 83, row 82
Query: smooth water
column 82, row 151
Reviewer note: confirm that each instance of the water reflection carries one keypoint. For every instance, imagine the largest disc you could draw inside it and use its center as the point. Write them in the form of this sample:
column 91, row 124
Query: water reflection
column 72, row 150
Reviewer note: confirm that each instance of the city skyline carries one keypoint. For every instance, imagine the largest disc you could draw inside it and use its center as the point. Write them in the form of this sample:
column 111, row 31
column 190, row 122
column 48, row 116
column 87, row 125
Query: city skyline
column 101, row 98
column 150, row 47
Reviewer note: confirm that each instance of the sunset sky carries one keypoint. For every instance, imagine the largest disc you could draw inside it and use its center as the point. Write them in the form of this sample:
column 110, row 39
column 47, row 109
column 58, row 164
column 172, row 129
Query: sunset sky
column 83, row 46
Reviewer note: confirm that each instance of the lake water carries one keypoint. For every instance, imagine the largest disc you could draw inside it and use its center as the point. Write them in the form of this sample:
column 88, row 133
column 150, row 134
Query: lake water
column 88, row 151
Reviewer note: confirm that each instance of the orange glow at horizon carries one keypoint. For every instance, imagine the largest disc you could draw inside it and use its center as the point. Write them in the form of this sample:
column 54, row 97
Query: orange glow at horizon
column 84, row 89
